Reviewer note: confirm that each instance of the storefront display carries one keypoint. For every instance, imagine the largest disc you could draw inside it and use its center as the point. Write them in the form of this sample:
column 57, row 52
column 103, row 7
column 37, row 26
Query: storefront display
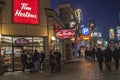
column 12, row 51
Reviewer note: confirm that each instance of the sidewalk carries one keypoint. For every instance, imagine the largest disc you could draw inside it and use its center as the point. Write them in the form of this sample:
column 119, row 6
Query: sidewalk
column 76, row 70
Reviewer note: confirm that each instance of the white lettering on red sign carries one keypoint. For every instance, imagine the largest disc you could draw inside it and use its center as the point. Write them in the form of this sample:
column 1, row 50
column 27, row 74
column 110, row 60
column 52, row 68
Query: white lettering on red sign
column 63, row 34
column 21, row 12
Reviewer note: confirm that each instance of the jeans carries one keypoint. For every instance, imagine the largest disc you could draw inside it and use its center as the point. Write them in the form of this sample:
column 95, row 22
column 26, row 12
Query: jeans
column 36, row 66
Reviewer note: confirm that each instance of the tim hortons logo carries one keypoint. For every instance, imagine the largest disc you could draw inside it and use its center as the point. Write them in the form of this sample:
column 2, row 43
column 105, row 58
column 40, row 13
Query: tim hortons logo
column 64, row 34
column 24, row 11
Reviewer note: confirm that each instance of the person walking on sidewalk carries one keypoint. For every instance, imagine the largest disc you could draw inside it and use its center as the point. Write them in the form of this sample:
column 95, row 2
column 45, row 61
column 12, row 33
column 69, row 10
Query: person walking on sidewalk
column 100, row 59
column 36, row 58
column 29, row 62
column 116, row 57
column 58, row 60
column 52, row 61
column 23, row 60
column 42, row 60
column 108, row 58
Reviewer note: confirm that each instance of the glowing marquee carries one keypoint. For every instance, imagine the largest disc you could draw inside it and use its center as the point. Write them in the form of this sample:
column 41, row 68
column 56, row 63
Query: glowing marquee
column 25, row 11
column 64, row 34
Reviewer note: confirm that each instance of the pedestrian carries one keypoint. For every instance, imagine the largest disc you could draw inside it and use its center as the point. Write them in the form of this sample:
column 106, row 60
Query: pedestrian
column 23, row 60
column 52, row 61
column 42, row 60
column 99, row 55
column 79, row 53
column 1, row 64
column 29, row 62
column 74, row 54
column 36, row 58
column 58, row 60
column 108, row 58
column 116, row 57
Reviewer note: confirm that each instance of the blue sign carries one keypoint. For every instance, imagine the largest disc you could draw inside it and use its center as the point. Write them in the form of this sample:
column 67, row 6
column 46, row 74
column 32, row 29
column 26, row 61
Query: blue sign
column 85, row 31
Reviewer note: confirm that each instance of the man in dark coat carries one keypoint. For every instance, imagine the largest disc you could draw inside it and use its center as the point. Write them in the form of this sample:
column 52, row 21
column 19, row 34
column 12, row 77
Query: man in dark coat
column 99, row 55
column 108, row 58
column 58, row 60
column 116, row 57
column 42, row 60
column 23, row 60
column 52, row 61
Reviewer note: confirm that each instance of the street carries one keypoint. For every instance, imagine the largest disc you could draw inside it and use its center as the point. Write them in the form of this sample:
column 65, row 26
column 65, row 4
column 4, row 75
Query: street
column 77, row 70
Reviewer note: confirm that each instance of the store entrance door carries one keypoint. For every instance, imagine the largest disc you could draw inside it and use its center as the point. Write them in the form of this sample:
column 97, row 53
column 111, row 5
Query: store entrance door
column 16, row 58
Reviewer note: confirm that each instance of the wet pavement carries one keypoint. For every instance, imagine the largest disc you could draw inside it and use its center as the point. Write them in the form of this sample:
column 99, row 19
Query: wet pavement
column 77, row 70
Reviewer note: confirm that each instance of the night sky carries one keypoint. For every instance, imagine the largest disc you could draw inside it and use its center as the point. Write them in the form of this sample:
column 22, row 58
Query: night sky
column 105, row 13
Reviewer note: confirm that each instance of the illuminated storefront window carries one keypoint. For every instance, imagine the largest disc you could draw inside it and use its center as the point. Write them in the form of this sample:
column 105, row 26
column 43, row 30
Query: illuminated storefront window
column 11, row 48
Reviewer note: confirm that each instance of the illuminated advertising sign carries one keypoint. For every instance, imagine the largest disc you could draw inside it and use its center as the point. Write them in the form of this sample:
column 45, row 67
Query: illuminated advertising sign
column 111, row 33
column 25, row 11
column 118, row 29
column 21, row 41
column 64, row 34
column 85, row 31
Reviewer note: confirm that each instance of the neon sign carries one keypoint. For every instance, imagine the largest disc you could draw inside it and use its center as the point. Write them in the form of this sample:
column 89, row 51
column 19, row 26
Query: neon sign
column 25, row 11
column 64, row 34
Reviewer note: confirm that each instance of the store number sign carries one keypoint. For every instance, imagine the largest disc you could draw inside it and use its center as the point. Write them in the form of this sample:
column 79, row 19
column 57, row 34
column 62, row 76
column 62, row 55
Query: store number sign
column 25, row 11
column 64, row 34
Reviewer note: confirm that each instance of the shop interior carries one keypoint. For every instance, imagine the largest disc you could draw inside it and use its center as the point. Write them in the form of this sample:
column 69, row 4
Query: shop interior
column 11, row 49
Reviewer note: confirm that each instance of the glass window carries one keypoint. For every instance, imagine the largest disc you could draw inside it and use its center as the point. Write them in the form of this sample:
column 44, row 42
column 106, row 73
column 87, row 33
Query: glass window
column 38, row 43
column 6, row 51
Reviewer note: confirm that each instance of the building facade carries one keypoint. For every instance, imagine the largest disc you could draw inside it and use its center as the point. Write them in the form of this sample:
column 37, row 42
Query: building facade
column 25, row 26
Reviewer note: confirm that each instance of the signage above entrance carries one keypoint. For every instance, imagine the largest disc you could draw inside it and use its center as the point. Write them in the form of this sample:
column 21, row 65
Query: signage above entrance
column 21, row 41
column 25, row 11
column 64, row 34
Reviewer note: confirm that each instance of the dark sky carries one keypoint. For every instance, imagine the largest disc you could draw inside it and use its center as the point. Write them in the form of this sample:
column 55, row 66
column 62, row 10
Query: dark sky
column 105, row 13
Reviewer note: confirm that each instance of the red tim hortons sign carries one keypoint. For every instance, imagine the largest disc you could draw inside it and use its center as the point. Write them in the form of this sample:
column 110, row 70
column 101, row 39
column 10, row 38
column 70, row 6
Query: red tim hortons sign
column 25, row 11
column 65, row 34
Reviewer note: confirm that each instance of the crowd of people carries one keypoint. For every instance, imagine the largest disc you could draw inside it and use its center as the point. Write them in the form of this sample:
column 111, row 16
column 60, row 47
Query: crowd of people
column 105, row 56
column 32, row 62
column 36, row 61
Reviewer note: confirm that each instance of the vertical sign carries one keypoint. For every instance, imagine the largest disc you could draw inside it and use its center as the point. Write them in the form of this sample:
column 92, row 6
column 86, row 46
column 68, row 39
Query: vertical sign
column 25, row 11
column 111, row 34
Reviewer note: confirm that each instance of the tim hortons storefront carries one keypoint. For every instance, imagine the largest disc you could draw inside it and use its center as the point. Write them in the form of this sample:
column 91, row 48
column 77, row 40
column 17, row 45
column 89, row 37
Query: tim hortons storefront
column 27, row 25
column 23, row 26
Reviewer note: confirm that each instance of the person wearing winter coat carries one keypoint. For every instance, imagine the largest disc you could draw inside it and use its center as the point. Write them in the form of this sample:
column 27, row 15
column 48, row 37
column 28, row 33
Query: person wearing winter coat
column 100, row 59
column 116, row 57
column 58, row 60
column 52, row 61
column 108, row 58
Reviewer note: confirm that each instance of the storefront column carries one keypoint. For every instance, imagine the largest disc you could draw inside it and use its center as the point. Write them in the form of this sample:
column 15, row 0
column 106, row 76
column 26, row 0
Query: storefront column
column 68, row 51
